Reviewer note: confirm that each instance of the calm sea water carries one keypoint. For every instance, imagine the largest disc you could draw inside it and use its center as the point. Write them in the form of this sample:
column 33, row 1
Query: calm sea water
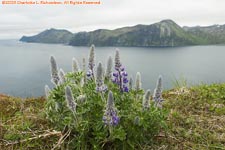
column 25, row 66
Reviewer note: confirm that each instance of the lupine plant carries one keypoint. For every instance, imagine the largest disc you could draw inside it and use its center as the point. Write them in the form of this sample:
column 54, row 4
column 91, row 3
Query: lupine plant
column 54, row 71
column 98, row 110
column 157, row 96
column 120, row 75
column 138, row 82
column 75, row 65
column 110, row 117
column 91, row 62
column 108, row 73
column 100, row 86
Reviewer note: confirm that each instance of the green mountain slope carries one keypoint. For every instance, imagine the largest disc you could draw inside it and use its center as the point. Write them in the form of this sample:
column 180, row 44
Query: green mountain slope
column 163, row 33
column 50, row 36
column 214, row 34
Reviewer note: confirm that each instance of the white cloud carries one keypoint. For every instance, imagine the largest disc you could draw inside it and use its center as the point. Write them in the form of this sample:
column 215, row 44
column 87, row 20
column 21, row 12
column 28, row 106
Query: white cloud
column 18, row 20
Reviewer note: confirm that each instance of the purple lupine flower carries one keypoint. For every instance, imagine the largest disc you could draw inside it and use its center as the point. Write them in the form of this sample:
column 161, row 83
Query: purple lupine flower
column 120, row 78
column 146, row 100
column 157, row 96
column 71, row 104
column 54, row 71
column 126, row 89
column 124, row 73
column 89, row 73
column 75, row 65
column 115, row 74
column 110, row 116
column 100, row 86
column 91, row 60
column 125, row 80
column 120, row 75
column 122, row 68
column 108, row 72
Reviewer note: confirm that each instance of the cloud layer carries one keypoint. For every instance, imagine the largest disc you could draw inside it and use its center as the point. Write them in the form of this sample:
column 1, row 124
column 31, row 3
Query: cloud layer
column 18, row 20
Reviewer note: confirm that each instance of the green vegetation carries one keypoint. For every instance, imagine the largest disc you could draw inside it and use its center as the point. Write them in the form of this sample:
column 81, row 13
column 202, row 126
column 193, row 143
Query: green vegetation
column 23, row 125
column 50, row 36
column 197, row 118
column 89, row 124
column 214, row 34
column 196, row 121
column 164, row 33
column 98, row 110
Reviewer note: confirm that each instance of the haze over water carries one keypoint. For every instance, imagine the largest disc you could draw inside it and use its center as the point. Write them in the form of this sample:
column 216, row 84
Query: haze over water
column 25, row 66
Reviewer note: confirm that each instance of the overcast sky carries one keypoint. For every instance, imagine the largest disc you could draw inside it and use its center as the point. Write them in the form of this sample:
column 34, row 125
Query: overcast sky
column 18, row 20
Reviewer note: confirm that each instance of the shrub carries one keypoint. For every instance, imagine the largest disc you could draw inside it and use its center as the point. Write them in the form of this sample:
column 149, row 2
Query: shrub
column 98, row 110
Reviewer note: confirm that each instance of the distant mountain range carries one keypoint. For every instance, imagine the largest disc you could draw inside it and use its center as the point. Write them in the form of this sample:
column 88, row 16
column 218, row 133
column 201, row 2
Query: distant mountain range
column 163, row 33
column 50, row 36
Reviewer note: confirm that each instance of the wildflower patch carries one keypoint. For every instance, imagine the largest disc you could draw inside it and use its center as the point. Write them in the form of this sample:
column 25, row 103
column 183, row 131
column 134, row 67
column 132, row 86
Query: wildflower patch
column 100, row 108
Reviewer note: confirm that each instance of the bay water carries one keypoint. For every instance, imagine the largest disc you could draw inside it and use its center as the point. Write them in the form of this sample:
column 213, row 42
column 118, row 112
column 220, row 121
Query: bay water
column 25, row 66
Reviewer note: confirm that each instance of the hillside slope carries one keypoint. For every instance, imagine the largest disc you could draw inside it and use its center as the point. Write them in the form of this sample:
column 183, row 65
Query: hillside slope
column 163, row 33
column 214, row 34
column 49, row 36
column 196, row 121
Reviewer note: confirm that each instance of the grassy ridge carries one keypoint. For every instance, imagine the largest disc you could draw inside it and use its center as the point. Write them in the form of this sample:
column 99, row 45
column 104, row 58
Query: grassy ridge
column 163, row 33
column 196, row 121
column 197, row 118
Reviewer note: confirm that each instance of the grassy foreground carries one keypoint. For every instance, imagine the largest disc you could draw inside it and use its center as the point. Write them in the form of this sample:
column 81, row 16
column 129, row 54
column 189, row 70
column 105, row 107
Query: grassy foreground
column 196, row 120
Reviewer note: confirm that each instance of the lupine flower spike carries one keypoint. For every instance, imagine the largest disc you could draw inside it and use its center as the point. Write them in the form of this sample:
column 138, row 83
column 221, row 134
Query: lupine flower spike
column 131, row 83
column 120, row 75
column 110, row 116
column 84, row 69
column 138, row 82
column 100, row 86
column 70, row 100
column 157, row 96
column 146, row 100
column 54, row 71
column 47, row 91
column 91, row 62
column 117, row 60
column 75, row 65
column 108, row 73
column 62, row 76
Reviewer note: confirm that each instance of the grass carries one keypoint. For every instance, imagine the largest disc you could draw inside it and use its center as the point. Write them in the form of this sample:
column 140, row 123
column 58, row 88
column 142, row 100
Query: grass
column 196, row 121
column 22, row 125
